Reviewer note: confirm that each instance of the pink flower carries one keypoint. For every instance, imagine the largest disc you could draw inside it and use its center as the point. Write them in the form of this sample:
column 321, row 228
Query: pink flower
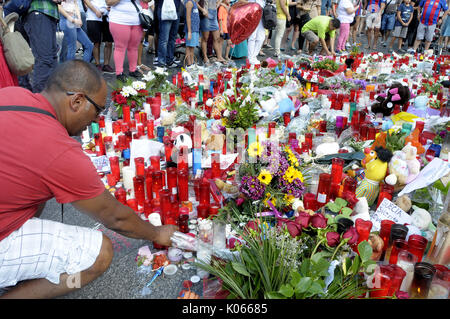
column 352, row 234
column 239, row 201
column 333, row 238
column 402, row 295
column 318, row 221
column 303, row 219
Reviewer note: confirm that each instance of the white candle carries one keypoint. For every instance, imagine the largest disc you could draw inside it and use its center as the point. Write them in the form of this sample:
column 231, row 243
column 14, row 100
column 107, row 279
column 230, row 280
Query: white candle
column 128, row 174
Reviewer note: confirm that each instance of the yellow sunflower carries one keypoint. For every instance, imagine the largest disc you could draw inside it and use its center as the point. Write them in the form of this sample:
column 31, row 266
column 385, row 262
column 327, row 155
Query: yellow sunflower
column 255, row 149
column 265, row 177
column 272, row 200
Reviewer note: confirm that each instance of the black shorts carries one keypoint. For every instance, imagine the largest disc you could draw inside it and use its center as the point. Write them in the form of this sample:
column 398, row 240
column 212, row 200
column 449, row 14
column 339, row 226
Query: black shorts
column 98, row 31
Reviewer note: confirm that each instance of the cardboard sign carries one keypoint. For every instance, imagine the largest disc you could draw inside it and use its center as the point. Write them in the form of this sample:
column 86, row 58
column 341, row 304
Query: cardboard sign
column 388, row 210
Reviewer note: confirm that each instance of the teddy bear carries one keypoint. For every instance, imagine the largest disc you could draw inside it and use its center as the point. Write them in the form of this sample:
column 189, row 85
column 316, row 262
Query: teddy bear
column 403, row 166
column 412, row 162
column 396, row 94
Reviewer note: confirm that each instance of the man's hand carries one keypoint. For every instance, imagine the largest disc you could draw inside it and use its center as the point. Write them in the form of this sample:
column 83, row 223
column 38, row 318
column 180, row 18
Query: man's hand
column 164, row 234
column 98, row 13
column 288, row 17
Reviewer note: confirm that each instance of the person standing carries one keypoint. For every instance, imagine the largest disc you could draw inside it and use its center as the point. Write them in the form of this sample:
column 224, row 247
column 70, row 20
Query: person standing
column 256, row 39
column 303, row 11
column 210, row 25
column 192, row 30
column 282, row 16
column 222, row 16
column 127, row 33
column 98, row 31
column 374, row 11
column 388, row 20
column 40, row 25
column 355, row 28
column 345, row 13
column 404, row 17
column 430, row 10
column 412, row 28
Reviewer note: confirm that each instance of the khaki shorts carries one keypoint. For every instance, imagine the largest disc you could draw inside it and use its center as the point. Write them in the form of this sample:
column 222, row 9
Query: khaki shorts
column 373, row 20
column 425, row 31
column 310, row 36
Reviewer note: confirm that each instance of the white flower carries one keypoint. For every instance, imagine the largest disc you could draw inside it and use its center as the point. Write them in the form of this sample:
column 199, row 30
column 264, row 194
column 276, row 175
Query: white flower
column 138, row 85
column 226, row 113
column 128, row 90
column 148, row 77
column 209, row 102
column 161, row 71
column 229, row 92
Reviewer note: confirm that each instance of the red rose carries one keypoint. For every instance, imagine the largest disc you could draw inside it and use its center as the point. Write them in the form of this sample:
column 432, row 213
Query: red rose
column 352, row 234
column 303, row 219
column 333, row 238
column 289, row 64
column 120, row 99
column 293, row 228
column 252, row 225
column 318, row 221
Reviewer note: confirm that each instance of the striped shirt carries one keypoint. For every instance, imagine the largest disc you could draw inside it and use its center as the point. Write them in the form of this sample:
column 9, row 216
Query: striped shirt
column 47, row 7
column 374, row 5
column 431, row 10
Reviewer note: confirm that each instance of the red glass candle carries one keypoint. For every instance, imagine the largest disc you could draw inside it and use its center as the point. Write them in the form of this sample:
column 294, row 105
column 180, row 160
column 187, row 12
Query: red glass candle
column 417, row 245
column 140, row 166
column 99, row 146
column 214, row 209
column 204, row 193
column 157, row 183
column 121, row 195
column 420, row 126
column 112, row 181
column 397, row 246
column 381, row 282
column 309, row 201
column 363, row 228
column 155, row 162
column 397, row 274
column 151, row 129
column 215, row 165
column 323, row 126
column 182, row 162
column 126, row 113
column 183, row 178
column 147, row 207
column 164, row 199
column 140, row 130
column 202, row 211
column 132, row 203
column 382, row 196
column 172, row 177
column 371, row 134
column 309, row 140
column 385, row 231
column 115, row 168
column 286, row 118
column 139, row 190
column 334, row 191
column 182, row 222
column 143, row 118
column 323, row 188
column 363, row 132
column 337, row 167
column 149, row 182
column 349, row 185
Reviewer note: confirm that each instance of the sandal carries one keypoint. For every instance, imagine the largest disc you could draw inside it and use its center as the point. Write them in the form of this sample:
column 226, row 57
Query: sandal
column 143, row 68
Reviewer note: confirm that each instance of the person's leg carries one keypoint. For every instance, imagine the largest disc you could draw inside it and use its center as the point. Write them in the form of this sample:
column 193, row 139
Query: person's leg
column 172, row 38
column 420, row 36
column 136, row 34
column 279, row 31
column 41, row 31
column 216, row 46
column 204, row 45
column 121, row 35
column 163, row 39
column 227, row 50
column 42, row 288
column 140, row 49
column 87, row 44
column 343, row 35
column 285, row 36
column 376, row 34
column 108, row 40
column 107, row 52
column 295, row 36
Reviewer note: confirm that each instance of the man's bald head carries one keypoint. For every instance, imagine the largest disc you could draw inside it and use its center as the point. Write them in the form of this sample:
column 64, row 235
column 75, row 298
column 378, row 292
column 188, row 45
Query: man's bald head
column 75, row 75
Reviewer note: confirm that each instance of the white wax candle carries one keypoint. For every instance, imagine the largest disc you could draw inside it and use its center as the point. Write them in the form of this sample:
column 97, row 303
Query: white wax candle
column 108, row 127
column 128, row 174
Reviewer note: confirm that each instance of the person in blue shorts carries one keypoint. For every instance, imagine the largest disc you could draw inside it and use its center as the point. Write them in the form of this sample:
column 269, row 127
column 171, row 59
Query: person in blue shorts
column 192, row 30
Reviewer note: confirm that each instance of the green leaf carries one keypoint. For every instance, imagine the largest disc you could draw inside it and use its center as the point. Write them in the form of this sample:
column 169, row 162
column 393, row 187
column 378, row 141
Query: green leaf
column 315, row 289
column 340, row 202
column 303, row 285
column 356, row 265
column 320, row 255
column 240, row 268
column 304, row 267
column 346, row 212
column 365, row 250
column 274, row 295
column 321, row 267
column 335, row 208
column 287, row 290
column 296, row 277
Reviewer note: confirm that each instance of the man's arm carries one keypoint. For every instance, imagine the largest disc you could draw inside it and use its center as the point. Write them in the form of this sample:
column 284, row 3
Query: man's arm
column 285, row 9
column 123, row 220
column 324, row 46
column 93, row 8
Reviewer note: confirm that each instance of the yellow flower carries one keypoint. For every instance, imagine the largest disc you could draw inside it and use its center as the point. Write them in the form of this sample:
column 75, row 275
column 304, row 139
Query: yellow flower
column 289, row 199
column 292, row 173
column 272, row 200
column 265, row 177
column 255, row 149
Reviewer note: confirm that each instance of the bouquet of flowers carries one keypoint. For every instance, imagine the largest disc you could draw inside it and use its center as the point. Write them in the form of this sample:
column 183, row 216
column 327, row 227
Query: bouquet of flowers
column 131, row 92
column 271, row 181
column 241, row 109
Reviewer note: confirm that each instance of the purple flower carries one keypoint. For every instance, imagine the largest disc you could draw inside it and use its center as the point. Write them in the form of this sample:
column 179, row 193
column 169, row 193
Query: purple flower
column 296, row 188
column 252, row 187
column 283, row 166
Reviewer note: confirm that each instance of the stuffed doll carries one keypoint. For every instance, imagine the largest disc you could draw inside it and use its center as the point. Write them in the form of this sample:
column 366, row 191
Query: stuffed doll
column 375, row 166
column 396, row 94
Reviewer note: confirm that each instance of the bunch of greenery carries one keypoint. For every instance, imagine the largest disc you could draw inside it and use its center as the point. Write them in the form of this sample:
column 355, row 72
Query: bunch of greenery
column 326, row 64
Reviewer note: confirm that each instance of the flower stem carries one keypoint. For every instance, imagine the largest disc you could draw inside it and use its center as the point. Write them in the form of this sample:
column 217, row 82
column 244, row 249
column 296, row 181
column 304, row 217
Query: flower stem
column 337, row 248
column 315, row 248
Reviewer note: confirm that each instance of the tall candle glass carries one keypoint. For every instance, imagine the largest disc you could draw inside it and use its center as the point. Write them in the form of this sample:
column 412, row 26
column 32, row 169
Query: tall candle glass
column 440, row 286
column 417, row 245
column 423, row 277
column 397, row 246
column 183, row 178
column 406, row 261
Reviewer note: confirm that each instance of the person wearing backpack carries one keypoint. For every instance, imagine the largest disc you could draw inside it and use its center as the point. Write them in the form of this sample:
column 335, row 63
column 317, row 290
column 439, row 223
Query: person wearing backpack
column 256, row 39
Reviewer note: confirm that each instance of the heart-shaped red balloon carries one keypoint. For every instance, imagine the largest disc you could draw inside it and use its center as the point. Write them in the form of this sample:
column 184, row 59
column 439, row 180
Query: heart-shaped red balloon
column 243, row 20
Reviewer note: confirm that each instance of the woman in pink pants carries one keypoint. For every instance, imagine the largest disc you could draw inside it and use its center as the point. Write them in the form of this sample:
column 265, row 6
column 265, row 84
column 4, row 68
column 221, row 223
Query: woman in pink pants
column 127, row 33
column 345, row 13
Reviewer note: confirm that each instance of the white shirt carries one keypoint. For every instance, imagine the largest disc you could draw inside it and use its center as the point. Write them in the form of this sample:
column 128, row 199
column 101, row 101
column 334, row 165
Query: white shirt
column 101, row 6
column 125, row 13
column 341, row 11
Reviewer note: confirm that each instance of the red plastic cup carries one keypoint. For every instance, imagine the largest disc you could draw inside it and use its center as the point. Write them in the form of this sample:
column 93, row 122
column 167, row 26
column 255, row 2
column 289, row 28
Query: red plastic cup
column 417, row 245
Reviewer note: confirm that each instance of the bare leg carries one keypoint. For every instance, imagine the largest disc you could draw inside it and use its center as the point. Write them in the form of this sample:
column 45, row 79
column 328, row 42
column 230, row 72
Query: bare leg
column 107, row 53
column 96, row 53
column 42, row 288
column 204, row 45
column 217, row 45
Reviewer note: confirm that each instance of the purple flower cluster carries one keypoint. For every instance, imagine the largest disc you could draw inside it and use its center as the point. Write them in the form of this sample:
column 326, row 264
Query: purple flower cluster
column 283, row 166
column 252, row 187
column 296, row 188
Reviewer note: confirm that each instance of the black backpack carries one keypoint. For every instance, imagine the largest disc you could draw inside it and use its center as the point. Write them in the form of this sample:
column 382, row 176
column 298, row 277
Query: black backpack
column 269, row 16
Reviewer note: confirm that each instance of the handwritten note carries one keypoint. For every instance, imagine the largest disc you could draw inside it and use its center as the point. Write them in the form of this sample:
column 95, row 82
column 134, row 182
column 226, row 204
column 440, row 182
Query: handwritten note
column 388, row 210
column 101, row 163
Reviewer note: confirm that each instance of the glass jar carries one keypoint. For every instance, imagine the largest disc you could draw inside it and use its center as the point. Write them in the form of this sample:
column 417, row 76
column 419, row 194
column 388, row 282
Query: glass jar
column 398, row 231
column 417, row 245
column 406, row 261
column 439, row 252
column 441, row 283
column 423, row 276
column 323, row 189
column 397, row 246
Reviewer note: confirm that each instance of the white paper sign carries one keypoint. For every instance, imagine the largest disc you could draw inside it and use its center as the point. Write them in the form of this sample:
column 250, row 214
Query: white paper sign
column 101, row 163
column 225, row 160
column 388, row 210
column 144, row 148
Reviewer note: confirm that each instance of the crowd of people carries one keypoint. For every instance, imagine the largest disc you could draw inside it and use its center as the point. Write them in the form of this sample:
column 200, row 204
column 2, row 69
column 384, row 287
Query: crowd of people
column 114, row 28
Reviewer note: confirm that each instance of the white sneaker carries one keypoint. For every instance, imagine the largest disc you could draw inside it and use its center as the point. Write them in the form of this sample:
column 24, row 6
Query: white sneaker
column 348, row 45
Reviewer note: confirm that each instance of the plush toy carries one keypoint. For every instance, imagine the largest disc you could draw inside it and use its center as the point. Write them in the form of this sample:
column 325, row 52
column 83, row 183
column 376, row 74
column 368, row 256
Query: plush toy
column 375, row 166
column 412, row 162
column 421, row 218
column 404, row 202
column 396, row 94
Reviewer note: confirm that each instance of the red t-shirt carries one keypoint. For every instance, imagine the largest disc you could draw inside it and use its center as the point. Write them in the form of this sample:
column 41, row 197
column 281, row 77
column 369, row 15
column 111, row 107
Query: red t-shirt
column 38, row 161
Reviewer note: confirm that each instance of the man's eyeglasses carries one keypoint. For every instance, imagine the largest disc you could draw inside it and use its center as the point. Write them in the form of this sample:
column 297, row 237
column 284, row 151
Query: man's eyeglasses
column 98, row 108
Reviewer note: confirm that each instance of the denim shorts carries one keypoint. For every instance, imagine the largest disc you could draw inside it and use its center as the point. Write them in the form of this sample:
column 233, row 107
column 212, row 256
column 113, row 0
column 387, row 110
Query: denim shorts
column 194, row 41
column 388, row 21
column 210, row 22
